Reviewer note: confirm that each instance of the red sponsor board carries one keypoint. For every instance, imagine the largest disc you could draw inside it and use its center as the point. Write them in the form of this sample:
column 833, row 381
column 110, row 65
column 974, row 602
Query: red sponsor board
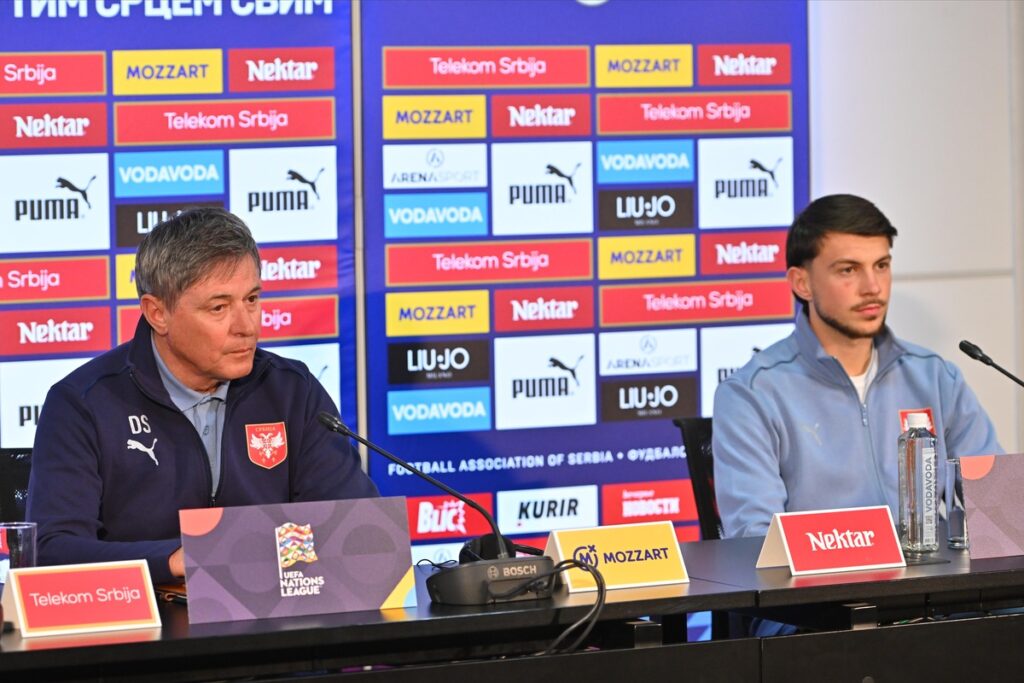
column 289, row 268
column 728, row 253
column 540, row 116
column 54, row 279
column 127, row 320
column 553, row 308
column 47, row 331
column 435, row 517
column 687, row 533
column 840, row 540
column 59, row 73
column 34, row 126
column 743, row 64
column 281, row 68
column 495, row 67
column 724, row 112
column 648, row 501
column 81, row 598
column 473, row 262
column 305, row 317
column 180, row 122
column 667, row 304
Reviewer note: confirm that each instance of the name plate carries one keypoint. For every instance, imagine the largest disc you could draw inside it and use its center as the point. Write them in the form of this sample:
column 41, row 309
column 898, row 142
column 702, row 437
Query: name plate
column 826, row 541
column 627, row 555
column 83, row 598
column 292, row 559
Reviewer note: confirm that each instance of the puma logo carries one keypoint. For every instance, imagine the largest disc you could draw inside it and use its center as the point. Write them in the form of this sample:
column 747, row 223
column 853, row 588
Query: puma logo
column 813, row 431
column 66, row 184
column 295, row 175
column 553, row 170
column 134, row 445
column 555, row 363
column 755, row 164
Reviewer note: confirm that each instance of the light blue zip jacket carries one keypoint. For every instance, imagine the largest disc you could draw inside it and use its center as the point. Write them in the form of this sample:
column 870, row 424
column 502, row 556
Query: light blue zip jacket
column 790, row 432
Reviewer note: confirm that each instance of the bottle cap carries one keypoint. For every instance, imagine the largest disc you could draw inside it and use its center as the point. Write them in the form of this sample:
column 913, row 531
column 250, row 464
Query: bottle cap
column 917, row 421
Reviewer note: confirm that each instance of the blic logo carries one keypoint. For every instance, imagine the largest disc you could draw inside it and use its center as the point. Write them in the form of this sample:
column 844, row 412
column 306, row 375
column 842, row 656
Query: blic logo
column 449, row 517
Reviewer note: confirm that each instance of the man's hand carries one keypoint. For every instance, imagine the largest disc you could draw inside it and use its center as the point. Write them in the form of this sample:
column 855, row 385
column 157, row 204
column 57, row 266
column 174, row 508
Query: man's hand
column 177, row 562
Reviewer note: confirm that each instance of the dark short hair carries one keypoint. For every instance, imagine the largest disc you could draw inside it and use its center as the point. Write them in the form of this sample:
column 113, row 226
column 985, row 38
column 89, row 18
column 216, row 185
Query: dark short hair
column 187, row 248
column 843, row 213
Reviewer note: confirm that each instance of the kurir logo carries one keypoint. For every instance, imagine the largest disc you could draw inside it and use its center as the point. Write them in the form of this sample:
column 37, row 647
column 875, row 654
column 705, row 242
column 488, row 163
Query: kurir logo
column 134, row 445
column 267, row 444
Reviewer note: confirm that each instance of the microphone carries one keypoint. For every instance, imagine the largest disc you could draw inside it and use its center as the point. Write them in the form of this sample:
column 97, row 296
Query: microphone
column 977, row 354
column 471, row 583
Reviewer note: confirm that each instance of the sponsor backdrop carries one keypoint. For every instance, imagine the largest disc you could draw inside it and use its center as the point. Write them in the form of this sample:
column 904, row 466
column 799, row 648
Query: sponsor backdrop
column 574, row 229
column 117, row 114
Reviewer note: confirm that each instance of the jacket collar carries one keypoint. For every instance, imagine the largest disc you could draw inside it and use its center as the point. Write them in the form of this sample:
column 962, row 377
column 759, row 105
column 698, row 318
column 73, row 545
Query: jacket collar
column 888, row 346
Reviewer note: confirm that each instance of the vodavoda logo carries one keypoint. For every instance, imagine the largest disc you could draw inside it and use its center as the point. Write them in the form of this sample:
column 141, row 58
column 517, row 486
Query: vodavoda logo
column 432, row 411
column 745, row 182
column 537, row 510
column 168, row 174
column 322, row 361
column 542, row 188
column 724, row 350
column 445, row 214
column 546, row 381
column 415, row 167
column 650, row 399
column 286, row 193
column 647, row 353
column 432, row 362
column 23, row 388
column 630, row 162
column 54, row 202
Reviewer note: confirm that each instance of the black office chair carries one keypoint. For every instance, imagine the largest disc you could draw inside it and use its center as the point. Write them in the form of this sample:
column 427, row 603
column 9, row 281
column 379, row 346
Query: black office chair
column 699, row 459
column 14, row 469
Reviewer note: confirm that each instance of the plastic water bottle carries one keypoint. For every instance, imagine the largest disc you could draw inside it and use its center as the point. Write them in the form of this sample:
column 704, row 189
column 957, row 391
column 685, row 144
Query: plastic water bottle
column 918, row 487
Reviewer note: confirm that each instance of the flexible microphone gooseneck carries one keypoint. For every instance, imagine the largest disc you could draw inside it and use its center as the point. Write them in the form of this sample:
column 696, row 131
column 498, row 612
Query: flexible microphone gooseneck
column 472, row 583
column 977, row 354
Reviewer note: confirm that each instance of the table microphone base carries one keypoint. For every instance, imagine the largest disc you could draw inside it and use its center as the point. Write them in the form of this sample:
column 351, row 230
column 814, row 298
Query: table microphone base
column 473, row 583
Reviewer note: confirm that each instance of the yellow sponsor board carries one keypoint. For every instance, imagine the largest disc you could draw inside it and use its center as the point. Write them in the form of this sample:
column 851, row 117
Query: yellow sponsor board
column 124, row 267
column 431, row 313
column 643, row 66
column 636, row 258
column 416, row 117
column 627, row 555
column 168, row 72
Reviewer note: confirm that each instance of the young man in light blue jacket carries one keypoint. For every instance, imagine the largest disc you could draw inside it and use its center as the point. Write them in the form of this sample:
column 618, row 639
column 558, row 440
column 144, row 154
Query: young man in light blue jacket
column 811, row 422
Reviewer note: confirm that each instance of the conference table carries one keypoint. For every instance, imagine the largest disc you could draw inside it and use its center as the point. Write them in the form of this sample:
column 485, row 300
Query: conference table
column 939, row 620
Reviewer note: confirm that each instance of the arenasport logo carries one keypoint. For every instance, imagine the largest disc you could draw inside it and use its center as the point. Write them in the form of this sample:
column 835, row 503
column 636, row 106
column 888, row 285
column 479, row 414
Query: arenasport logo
column 745, row 182
column 648, row 352
column 724, row 350
column 546, row 381
column 54, row 202
column 286, row 193
column 415, row 167
column 542, row 188
column 23, row 388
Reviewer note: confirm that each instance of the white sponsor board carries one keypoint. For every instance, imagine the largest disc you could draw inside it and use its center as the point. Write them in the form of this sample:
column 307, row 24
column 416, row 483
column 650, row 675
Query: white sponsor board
column 54, row 202
column 540, row 510
column 286, row 194
column 724, row 350
column 647, row 352
column 23, row 388
column 322, row 361
column 414, row 167
column 745, row 182
column 546, row 381
column 540, row 188
column 438, row 553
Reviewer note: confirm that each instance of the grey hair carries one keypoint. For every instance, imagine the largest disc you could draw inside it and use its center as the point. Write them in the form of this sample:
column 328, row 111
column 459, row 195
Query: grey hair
column 187, row 248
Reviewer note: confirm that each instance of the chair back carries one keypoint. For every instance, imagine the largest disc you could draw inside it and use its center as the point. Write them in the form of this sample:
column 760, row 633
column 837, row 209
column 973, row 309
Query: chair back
column 699, row 459
column 14, row 469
